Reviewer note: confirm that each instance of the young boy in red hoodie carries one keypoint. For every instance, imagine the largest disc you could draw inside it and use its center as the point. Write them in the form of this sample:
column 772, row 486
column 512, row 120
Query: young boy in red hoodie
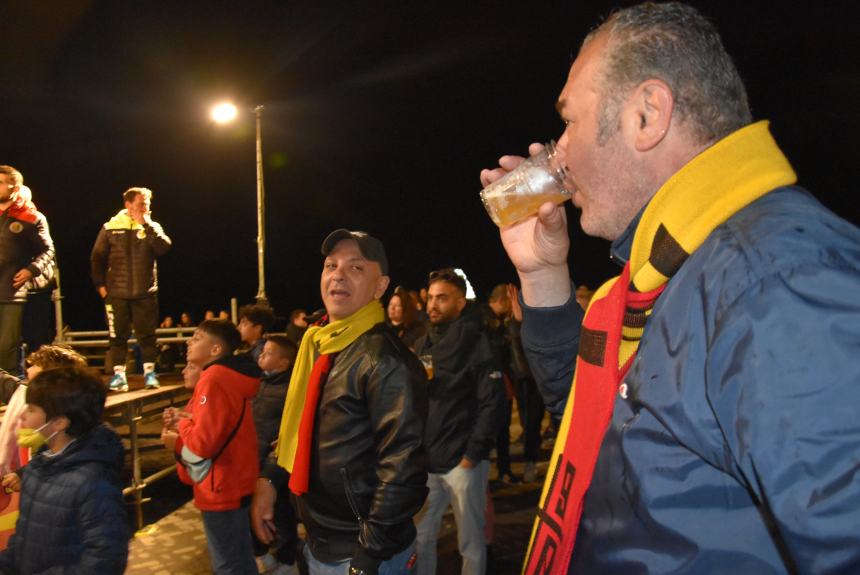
column 218, row 425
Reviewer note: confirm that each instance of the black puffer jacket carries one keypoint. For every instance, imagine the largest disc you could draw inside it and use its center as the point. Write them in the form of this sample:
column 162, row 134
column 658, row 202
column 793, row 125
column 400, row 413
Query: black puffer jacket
column 368, row 464
column 269, row 407
column 466, row 394
column 73, row 518
column 123, row 257
column 25, row 242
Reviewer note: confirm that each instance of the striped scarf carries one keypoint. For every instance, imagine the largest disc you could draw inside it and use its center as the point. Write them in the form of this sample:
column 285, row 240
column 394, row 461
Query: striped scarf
column 685, row 210
column 309, row 374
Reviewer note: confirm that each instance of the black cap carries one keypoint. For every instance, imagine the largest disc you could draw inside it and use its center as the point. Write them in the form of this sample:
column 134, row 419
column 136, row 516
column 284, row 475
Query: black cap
column 371, row 248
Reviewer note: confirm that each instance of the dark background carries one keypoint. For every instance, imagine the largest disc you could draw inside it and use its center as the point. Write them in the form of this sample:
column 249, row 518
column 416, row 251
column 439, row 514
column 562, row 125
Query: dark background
column 378, row 116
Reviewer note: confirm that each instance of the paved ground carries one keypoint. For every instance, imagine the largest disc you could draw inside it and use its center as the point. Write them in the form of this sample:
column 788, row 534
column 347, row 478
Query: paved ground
column 173, row 541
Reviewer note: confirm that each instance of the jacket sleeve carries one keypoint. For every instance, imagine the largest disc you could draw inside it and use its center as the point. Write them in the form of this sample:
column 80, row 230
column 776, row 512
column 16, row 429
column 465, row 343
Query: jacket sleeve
column 99, row 258
column 783, row 378
column 7, row 560
column 44, row 248
column 158, row 240
column 397, row 404
column 104, row 529
column 550, row 339
column 214, row 417
column 491, row 401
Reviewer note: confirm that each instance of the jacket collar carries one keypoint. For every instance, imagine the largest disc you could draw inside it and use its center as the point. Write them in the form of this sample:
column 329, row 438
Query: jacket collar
column 619, row 251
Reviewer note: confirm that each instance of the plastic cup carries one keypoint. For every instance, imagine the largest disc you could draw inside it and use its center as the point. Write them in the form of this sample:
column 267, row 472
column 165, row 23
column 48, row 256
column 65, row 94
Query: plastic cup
column 519, row 193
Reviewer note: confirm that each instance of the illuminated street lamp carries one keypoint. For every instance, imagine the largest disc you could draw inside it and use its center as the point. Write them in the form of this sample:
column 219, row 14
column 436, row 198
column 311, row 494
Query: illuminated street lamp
column 222, row 114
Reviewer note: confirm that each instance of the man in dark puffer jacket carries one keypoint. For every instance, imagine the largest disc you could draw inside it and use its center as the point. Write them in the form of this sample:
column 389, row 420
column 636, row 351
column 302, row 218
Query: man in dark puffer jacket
column 124, row 273
column 72, row 517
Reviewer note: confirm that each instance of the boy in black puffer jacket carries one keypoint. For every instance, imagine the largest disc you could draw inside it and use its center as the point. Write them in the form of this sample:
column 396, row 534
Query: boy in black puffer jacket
column 72, row 516
column 276, row 361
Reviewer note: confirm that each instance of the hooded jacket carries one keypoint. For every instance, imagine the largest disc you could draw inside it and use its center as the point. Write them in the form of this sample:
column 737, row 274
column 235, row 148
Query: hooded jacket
column 466, row 395
column 25, row 242
column 72, row 517
column 221, row 397
column 123, row 257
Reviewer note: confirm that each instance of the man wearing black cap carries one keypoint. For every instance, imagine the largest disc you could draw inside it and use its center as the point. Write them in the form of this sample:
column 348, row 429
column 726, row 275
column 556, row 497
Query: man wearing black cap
column 351, row 431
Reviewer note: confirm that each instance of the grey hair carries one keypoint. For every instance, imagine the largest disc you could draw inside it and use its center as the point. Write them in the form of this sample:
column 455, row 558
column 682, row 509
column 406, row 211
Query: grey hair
column 674, row 43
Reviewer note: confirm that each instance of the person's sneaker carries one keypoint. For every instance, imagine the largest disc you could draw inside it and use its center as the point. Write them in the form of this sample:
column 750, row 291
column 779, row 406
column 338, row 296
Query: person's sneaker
column 284, row 569
column 118, row 382
column 265, row 563
column 150, row 381
column 530, row 472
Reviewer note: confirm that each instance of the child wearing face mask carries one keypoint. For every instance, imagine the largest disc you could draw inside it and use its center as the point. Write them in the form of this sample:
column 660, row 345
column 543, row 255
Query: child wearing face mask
column 12, row 457
column 72, row 514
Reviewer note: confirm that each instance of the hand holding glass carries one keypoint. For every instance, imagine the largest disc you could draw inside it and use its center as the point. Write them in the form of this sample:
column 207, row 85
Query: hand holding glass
column 519, row 193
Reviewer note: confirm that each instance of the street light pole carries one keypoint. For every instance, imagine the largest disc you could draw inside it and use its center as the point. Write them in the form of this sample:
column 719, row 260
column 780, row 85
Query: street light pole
column 222, row 114
column 261, row 214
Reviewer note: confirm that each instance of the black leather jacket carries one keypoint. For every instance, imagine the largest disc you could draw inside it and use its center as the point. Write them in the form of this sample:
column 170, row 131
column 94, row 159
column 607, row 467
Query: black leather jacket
column 368, row 464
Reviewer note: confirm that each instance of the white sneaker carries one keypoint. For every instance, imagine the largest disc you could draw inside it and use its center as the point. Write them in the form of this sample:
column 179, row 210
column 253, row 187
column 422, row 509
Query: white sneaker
column 118, row 382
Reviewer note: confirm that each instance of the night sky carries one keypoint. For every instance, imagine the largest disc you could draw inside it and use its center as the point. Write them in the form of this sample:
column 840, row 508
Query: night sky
column 378, row 116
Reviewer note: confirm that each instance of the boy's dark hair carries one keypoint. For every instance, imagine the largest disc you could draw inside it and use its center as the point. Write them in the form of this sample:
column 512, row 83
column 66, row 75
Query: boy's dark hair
column 70, row 392
column 224, row 331
column 53, row 356
column 258, row 315
column 288, row 347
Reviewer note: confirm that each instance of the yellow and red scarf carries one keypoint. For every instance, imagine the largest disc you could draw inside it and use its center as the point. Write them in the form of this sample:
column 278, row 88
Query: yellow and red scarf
column 309, row 374
column 685, row 210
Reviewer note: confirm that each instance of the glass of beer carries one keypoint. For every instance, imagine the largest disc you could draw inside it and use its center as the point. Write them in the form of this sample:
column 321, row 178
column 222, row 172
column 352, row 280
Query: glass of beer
column 519, row 193
column 427, row 360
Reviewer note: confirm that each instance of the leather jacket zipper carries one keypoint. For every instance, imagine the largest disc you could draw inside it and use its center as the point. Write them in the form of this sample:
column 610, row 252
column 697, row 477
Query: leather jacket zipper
column 350, row 497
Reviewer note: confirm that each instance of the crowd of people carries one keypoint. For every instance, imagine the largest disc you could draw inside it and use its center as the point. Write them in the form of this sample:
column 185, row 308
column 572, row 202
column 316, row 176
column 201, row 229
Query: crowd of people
column 704, row 400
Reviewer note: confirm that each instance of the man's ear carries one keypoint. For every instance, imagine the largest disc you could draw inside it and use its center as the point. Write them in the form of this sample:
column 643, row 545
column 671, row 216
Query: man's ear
column 461, row 303
column 652, row 104
column 381, row 286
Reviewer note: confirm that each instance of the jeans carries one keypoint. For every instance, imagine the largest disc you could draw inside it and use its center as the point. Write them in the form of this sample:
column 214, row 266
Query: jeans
column 531, row 415
column 400, row 564
column 228, row 537
column 465, row 490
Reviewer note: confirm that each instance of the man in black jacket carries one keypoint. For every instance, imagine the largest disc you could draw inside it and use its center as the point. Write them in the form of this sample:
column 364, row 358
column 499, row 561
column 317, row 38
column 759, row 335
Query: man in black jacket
column 124, row 273
column 26, row 252
column 467, row 400
column 352, row 425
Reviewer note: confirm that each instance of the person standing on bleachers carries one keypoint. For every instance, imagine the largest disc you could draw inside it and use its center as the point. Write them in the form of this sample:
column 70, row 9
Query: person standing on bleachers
column 26, row 252
column 124, row 272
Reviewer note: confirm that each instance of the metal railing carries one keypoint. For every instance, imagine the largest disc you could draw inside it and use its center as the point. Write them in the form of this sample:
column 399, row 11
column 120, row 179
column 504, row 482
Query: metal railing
column 88, row 339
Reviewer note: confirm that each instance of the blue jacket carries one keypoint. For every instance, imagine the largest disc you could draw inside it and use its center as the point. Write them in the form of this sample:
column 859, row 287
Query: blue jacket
column 737, row 448
column 72, row 518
